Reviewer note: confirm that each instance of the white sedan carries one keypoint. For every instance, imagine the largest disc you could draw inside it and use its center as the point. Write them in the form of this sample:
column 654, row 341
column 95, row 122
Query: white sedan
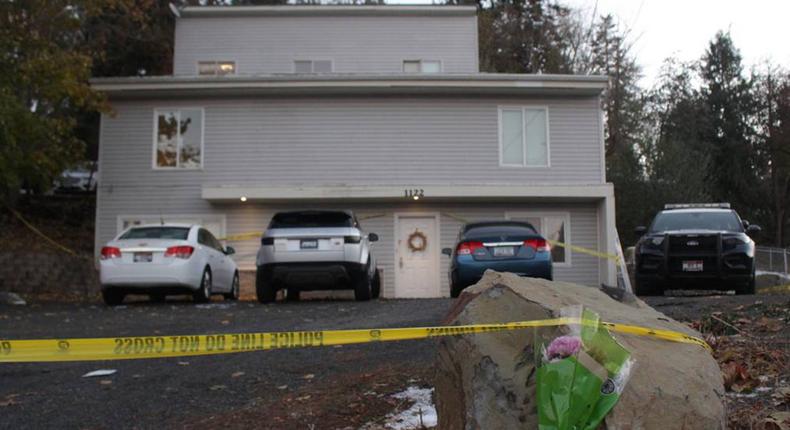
column 167, row 259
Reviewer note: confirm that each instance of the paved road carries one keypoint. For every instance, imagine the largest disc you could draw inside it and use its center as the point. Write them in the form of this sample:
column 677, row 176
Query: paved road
column 152, row 393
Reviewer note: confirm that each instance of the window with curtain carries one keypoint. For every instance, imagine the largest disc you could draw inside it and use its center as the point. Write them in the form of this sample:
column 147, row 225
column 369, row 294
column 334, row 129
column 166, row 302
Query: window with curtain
column 179, row 139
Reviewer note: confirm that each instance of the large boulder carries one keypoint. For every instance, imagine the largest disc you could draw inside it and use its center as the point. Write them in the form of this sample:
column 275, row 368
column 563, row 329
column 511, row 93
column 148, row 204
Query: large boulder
column 487, row 381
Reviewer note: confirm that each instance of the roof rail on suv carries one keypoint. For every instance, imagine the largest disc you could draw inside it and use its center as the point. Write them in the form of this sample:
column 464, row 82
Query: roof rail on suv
column 697, row 205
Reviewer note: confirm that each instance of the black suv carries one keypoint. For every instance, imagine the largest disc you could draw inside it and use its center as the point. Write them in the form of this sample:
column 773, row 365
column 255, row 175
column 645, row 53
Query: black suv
column 705, row 246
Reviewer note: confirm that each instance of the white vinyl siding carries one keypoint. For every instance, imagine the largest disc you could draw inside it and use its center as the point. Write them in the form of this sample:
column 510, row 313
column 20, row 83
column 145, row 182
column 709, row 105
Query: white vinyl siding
column 524, row 136
column 356, row 44
column 178, row 138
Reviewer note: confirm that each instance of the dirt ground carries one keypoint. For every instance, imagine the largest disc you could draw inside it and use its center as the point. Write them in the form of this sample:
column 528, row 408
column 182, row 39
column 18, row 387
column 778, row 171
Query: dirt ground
column 327, row 388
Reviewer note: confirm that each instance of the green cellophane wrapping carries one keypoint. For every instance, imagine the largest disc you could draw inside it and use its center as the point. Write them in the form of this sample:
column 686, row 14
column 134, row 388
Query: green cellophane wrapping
column 573, row 393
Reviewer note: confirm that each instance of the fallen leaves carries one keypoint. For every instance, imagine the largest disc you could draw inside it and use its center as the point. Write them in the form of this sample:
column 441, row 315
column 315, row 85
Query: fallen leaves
column 750, row 344
column 9, row 400
column 778, row 421
column 737, row 378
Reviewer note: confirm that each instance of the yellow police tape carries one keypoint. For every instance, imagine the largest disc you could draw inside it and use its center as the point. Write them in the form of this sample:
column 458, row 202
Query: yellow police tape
column 574, row 248
column 125, row 348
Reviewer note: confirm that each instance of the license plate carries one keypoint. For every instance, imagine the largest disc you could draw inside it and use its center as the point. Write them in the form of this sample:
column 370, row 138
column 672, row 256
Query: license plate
column 692, row 266
column 309, row 244
column 504, row 251
column 143, row 257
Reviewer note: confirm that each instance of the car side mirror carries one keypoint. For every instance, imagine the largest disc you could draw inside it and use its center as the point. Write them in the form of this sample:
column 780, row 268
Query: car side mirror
column 447, row 251
column 229, row 250
column 373, row 237
column 640, row 231
column 745, row 223
column 753, row 230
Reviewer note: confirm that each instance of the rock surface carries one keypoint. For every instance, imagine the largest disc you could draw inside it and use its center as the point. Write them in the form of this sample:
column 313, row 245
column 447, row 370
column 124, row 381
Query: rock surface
column 486, row 381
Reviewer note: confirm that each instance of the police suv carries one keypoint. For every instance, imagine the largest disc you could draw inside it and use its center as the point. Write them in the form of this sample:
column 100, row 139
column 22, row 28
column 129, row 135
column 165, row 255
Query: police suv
column 695, row 246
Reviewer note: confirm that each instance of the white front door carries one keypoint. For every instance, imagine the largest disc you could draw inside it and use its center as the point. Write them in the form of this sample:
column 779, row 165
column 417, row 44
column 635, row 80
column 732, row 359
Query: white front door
column 417, row 256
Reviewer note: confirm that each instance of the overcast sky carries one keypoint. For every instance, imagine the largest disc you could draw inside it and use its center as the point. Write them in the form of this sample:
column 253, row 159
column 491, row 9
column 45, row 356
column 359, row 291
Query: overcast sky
column 683, row 28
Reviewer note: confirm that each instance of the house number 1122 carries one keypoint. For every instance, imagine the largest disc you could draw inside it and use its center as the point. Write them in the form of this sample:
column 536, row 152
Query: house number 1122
column 411, row 193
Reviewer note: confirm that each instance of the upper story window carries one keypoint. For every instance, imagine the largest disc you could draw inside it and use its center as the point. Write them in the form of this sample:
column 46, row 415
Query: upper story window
column 216, row 68
column 422, row 66
column 312, row 66
column 178, row 138
column 524, row 136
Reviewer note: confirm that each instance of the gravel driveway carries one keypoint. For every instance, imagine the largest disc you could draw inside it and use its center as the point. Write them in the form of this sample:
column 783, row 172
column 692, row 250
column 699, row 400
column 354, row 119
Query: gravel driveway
column 178, row 391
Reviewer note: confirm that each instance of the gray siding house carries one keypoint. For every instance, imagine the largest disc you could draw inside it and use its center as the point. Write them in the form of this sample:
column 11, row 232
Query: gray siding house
column 377, row 109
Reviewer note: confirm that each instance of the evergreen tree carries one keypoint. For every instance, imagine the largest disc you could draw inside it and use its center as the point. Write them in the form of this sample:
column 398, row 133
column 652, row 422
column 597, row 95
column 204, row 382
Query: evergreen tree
column 729, row 137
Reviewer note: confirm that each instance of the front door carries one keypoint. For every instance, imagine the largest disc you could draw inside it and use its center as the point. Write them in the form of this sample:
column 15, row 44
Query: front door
column 417, row 256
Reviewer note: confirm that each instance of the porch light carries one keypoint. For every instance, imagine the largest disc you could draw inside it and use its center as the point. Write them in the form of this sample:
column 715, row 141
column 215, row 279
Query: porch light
column 416, row 197
column 243, row 198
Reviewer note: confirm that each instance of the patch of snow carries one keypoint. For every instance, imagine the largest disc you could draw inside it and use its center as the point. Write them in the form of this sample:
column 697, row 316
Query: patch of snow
column 784, row 276
column 100, row 372
column 421, row 414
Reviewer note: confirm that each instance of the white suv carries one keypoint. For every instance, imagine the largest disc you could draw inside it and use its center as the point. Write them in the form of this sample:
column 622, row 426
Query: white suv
column 316, row 250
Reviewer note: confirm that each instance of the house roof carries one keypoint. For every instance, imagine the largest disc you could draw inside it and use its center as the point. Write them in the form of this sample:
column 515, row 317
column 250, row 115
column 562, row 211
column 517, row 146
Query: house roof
column 312, row 10
column 354, row 84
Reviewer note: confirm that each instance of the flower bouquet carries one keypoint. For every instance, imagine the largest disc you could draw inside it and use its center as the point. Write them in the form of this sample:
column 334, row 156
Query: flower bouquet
column 580, row 374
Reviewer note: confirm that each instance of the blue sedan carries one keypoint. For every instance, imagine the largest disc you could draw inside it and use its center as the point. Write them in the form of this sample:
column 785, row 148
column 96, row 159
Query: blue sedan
column 504, row 246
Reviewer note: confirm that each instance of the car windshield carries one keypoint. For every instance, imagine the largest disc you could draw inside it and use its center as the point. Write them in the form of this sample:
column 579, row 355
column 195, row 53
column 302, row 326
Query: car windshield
column 702, row 220
column 311, row 219
column 176, row 233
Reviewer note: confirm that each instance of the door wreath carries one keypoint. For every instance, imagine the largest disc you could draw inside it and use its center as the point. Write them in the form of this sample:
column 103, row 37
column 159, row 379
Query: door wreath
column 417, row 241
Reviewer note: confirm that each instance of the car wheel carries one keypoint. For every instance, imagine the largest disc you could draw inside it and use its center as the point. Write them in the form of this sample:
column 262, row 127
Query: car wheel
column 647, row 288
column 375, row 288
column 157, row 297
column 747, row 288
column 203, row 294
column 292, row 294
column 264, row 290
column 455, row 291
column 112, row 297
column 234, row 289
column 362, row 288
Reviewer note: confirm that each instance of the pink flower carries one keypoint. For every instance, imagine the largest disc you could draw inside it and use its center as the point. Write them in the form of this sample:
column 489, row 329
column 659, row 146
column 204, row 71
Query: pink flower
column 563, row 346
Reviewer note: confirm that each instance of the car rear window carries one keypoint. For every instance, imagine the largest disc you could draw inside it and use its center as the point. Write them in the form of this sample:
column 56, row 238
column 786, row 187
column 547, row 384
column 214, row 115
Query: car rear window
column 311, row 219
column 176, row 233
column 500, row 231
column 702, row 220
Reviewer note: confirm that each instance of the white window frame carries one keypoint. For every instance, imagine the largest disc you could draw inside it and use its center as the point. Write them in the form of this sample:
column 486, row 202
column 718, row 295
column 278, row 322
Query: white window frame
column 500, row 125
column 217, row 62
column 148, row 219
column 420, row 61
column 154, row 166
column 312, row 64
column 566, row 216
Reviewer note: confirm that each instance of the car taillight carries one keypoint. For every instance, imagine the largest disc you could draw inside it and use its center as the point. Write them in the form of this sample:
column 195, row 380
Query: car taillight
column 539, row 245
column 109, row 252
column 352, row 239
column 466, row 248
column 179, row 252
